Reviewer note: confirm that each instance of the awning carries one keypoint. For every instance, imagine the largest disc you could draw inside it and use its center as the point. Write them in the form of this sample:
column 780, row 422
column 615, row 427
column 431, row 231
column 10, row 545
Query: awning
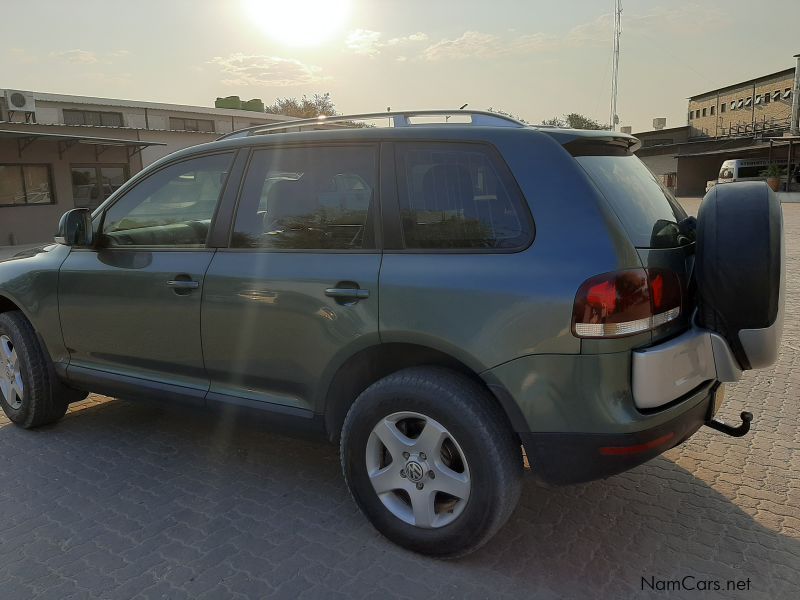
column 66, row 141
column 753, row 148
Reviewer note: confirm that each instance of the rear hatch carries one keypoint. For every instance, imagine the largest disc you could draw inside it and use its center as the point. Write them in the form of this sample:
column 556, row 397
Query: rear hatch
column 654, row 221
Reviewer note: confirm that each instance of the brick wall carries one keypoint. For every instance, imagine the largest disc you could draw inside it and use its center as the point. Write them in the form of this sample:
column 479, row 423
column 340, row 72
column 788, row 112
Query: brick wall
column 712, row 115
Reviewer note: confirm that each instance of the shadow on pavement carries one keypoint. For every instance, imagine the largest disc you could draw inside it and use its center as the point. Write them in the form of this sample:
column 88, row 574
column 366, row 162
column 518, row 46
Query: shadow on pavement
column 123, row 498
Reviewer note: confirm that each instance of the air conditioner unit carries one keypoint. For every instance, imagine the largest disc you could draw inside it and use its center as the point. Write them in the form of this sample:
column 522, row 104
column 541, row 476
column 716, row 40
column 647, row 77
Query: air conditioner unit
column 18, row 101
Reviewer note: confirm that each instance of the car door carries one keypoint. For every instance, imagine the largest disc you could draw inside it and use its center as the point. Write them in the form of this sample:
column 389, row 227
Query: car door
column 295, row 294
column 130, row 308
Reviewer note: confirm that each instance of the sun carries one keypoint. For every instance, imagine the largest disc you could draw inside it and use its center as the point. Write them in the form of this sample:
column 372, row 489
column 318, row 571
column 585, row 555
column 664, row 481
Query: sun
column 298, row 22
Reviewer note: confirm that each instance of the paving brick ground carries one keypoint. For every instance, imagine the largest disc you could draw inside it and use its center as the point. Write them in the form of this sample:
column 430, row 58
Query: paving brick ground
column 129, row 500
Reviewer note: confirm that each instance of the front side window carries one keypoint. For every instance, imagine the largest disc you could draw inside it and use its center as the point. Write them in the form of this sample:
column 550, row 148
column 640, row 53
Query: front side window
column 319, row 198
column 25, row 184
column 173, row 207
column 459, row 196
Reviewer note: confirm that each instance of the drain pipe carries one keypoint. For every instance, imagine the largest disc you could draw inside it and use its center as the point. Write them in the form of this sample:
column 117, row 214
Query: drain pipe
column 795, row 128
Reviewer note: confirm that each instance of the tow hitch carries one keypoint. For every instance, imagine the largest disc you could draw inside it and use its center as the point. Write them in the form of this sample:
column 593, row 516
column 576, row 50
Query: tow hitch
column 718, row 395
column 730, row 430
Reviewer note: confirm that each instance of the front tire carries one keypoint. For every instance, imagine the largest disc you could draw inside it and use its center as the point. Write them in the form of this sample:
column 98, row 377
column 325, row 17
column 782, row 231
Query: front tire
column 30, row 394
column 431, row 461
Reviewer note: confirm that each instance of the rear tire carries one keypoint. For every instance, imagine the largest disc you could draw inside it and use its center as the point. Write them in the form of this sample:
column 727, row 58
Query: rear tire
column 470, row 450
column 30, row 394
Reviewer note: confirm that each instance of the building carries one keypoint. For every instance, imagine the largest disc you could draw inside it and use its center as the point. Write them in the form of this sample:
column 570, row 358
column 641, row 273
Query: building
column 59, row 152
column 748, row 119
column 763, row 104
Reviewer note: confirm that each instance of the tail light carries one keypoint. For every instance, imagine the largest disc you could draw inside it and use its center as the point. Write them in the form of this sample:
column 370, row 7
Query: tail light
column 626, row 302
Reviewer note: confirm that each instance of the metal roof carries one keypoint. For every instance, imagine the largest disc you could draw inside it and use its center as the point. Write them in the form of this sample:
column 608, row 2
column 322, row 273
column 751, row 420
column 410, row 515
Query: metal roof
column 787, row 72
column 208, row 110
column 81, row 139
column 738, row 150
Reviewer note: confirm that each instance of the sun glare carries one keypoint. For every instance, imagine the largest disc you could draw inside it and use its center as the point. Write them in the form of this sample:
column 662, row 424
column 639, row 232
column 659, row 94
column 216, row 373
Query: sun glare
column 298, row 23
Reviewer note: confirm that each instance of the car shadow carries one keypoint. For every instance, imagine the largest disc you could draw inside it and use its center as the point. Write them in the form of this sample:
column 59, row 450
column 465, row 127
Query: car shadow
column 182, row 500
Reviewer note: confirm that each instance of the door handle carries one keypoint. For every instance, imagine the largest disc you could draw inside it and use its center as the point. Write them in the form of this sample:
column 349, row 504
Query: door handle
column 182, row 284
column 356, row 293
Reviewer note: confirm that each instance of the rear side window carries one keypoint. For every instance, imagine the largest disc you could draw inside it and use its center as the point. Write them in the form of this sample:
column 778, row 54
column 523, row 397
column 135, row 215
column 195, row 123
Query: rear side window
column 459, row 196
column 649, row 213
column 308, row 198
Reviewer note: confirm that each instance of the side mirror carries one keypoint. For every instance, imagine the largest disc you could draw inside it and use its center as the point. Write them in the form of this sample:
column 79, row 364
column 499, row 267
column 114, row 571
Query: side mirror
column 75, row 228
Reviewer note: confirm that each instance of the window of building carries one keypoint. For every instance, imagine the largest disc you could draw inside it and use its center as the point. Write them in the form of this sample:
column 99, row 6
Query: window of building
column 319, row 198
column 92, row 184
column 25, row 184
column 740, row 103
column 749, row 101
column 691, row 115
column 776, row 95
column 172, row 207
column 787, row 93
column 92, row 117
column 767, row 98
column 180, row 124
column 458, row 196
column 712, row 111
column 723, row 107
column 733, row 104
column 758, row 99
column 704, row 112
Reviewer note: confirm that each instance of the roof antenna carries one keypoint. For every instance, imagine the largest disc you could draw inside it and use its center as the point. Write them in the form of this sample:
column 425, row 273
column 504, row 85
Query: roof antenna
column 615, row 67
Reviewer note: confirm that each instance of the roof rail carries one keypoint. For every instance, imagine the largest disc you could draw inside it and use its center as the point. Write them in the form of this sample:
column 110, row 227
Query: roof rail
column 398, row 119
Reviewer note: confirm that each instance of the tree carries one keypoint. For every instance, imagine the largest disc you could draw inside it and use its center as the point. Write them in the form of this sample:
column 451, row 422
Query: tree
column 303, row 108
column 500, row 111
column 575, row 121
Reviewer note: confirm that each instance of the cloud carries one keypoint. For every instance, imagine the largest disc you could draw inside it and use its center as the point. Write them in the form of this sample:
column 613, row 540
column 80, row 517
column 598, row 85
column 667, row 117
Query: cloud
column 76, row 56
column 364, row 41
column 368, row 42
column 244, row 69
column 476, row 44
column 414, row 37
column 470, row 44
column 683, row 21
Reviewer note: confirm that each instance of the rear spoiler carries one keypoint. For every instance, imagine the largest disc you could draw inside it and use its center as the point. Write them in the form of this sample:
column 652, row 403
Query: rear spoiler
column 597, row 143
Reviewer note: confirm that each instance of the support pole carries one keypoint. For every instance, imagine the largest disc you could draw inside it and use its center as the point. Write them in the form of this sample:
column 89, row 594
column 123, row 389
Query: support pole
column 794, row 127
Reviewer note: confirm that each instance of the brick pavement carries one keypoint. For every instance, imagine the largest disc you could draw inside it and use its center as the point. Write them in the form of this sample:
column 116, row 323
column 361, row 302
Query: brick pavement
column 127, row 500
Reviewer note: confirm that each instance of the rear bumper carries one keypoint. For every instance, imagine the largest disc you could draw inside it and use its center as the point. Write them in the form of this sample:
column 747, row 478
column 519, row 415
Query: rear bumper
column 565, row 458
column 672, row 369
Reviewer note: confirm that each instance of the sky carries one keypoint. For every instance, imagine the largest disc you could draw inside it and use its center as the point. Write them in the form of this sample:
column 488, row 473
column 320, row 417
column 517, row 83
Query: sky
column 533, row 58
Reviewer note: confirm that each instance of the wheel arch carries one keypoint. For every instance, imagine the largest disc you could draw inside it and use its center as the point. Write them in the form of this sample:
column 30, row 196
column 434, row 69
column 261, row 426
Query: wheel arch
column 7, row 304
column 370, row 364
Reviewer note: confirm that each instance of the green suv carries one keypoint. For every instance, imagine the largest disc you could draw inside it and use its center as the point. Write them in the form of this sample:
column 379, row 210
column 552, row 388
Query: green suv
column 448, row 297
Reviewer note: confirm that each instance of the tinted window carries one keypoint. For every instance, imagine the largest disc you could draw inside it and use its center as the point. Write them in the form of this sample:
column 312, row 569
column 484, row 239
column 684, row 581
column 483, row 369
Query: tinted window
column 751, row 171
column 172, row 207
column 308, row 198
column 648, row 212
column 458, row 196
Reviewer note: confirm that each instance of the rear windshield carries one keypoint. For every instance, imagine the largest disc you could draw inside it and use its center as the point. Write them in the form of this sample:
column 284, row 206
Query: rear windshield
column 651, row 216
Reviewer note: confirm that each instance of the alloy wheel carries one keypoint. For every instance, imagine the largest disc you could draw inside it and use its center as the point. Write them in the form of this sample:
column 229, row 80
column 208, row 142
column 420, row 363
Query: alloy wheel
column 418, row 470
column 11, row 386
